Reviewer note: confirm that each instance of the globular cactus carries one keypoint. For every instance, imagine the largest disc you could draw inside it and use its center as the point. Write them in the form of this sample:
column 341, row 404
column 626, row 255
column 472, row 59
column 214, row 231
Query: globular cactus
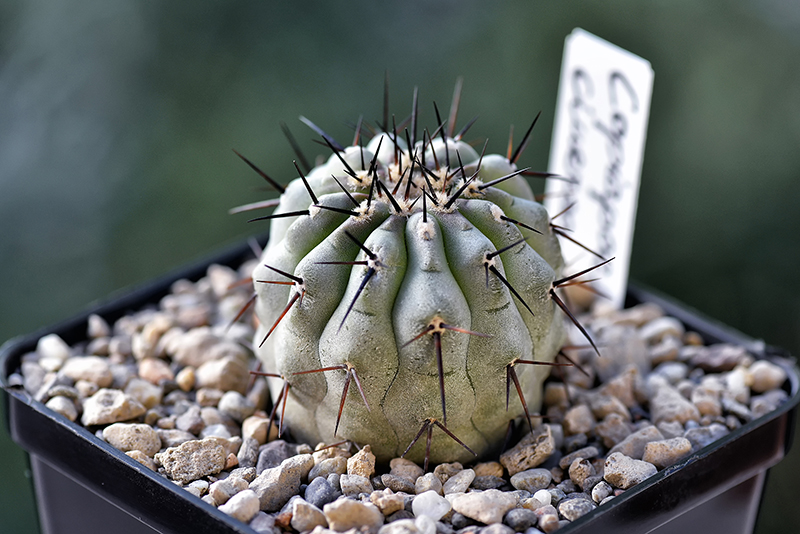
column 404, row 285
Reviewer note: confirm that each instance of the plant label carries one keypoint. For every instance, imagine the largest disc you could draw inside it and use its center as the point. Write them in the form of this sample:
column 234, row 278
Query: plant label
column 597, row 148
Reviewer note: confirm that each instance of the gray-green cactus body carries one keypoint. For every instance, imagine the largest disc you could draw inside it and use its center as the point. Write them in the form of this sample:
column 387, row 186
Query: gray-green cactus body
column 431, row 283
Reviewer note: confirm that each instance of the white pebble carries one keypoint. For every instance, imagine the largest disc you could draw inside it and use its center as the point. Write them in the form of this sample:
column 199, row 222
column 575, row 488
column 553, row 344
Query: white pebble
column 52, row 346
column 430, row 504
column 242, row 506
column 543, row 496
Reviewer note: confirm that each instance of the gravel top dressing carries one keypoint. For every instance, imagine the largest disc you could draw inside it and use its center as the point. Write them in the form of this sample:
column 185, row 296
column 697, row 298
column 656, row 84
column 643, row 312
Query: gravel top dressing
column 171, row 387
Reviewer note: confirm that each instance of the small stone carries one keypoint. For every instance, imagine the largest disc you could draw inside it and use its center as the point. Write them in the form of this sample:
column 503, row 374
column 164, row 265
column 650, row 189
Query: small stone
column 362, row 463
column 445, row 471
column 275, row 486
column 218, row 429
column 580, row 470
column 242, row 506
column 97, row 327
column 485, row 506
column 226, row 374
column 666, row 452
column 530, row 452
column 344, row 514
column 193, row 459
column 143, row 459
column 459, row 482
column 666, row 350
column 155, row 370
column 601, row 490
column 174, row 437
column 273, row 453
column 63, row 406
column 306, row 516
column 622, row 386
column 707, row 401
column 521, row 519
column 400, row 467
column 578, row 420
column 248, row 453
column 673, row 372
column 428, row 482
column 613, row 429
column 319, row 492
column 719, row 358
column 633, row 446
column 621, row 348
column 484, row 483
column 669, row 405
column 130, row 437
column 387, row 501
column 488, row 469
column 256, row 426
column 398, row 484
column 236, row 406
column 110, row 406
column 148, row 394
column 431, row 504
column 52, row 346
column 497, row 528
column 702, row 436
column 90, row 368
column 768, row 402
column 549, row 523
column 624, row 472
column 766, row 376
column 655, row 330
column 670, row 429
column 190, row 420
column 572, row 509
column 328, row 466
column 602, row 405
column 263, row 523
column 186, row 378
column 209, row 397
column 352, row 485
column 586, row 452
column 532, row 480
column 223, row 490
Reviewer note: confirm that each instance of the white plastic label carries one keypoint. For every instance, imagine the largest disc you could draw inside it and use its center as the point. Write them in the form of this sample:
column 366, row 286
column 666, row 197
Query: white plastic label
column 598, row 143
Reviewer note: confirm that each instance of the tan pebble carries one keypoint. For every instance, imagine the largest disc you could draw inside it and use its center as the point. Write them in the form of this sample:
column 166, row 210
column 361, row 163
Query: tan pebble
column 666, row 452
column 145, row 392
column 387, row 501
column 231, row 462
column 130, row 437
column 578, row 420
column 227, row 374
column 766, row 376
column 110, row 406
column 445, row 471
column 154, row 370
column 185, row 378
column 488, row 469
column 256, row 427
column 97, row 327
column 531, row 451
column 362, row 463
column 405, row 469
column 692, row 338
column 64, row 406
column 143, row 459
column 208, row 397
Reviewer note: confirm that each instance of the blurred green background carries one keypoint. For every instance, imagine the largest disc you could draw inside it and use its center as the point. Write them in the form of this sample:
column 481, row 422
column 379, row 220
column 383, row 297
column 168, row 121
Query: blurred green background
column 117, row 121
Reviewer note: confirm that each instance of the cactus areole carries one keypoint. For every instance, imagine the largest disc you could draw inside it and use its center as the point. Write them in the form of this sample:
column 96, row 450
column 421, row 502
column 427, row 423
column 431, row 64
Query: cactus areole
column 405, row 283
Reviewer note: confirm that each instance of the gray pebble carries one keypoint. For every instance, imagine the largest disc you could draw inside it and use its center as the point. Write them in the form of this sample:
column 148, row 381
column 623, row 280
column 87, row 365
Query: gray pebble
column 273, row 453
column 521, row 519
column 487, row 482
column 329, row 466
column 429, row 482
column 263, row 523
column 248, row 453
column 572, row 509
column 532, row 480
column 319, row 492
column 173, row 437
column 633, row 445
column 586, row 452
column 459, row 482
column 275, row 486
column 497, row 528
column 236, row 406
column 613, row 429
column 397, row 484
column 601, row 490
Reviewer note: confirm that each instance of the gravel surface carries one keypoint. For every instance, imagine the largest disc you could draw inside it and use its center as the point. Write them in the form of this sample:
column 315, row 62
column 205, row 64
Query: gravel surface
column 171, row 387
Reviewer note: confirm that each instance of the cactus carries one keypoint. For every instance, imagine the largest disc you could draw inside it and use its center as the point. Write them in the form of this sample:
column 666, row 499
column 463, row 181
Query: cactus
column 404, row 285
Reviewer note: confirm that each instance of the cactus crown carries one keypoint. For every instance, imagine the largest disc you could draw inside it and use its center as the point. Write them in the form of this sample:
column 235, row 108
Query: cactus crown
column 404, row 283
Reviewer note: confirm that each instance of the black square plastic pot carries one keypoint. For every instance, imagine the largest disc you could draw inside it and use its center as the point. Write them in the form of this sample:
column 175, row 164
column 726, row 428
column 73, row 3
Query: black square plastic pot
column 82, row 484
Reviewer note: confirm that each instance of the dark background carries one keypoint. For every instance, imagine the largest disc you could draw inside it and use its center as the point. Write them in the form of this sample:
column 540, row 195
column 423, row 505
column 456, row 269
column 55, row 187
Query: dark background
column 117, row 121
